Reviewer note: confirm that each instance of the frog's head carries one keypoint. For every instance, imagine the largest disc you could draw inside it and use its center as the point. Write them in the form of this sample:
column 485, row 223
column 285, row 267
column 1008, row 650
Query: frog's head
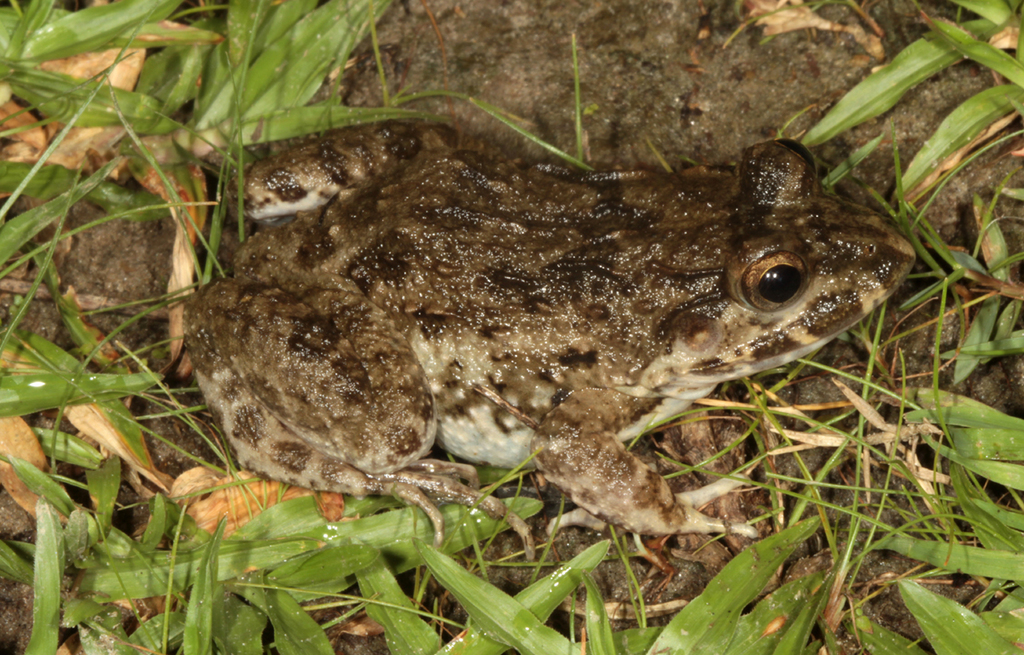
column 800, row 267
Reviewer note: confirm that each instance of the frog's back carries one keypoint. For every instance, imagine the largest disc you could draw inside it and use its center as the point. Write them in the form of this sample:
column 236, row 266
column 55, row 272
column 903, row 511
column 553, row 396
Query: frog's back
column 552, row 273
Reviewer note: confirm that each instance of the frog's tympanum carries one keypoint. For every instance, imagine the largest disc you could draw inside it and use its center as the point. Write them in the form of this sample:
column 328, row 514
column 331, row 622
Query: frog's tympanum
column 444, row 295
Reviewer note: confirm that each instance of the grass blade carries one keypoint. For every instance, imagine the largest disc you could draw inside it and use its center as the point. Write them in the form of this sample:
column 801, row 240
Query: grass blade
column 199, row 614
column 980, row 332
column 951, row 628
column 43, row 485
column 48, row 571
column 880, row 91
column 494, row 612
column 996, row 11
column 881, row 641
column 958, row 558
column 988, row 56
column 13, row 566
column 708, row 623
column 25, row 394
column 104, row 484
column 404, row 630
column 295, row 633
column 142, row 574
column 240, row 627
column 16, row 232
column 600, row 639
column 960, row 128
column 326, row 571
column 541, row 598
column 91, row 28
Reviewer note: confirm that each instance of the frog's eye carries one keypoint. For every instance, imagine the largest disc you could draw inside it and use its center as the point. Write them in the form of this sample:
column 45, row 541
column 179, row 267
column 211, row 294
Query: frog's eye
column 800, row 150
column 774, row 280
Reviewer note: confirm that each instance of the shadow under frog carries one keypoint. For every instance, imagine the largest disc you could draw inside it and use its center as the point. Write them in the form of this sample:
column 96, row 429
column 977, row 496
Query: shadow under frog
column 596, row 304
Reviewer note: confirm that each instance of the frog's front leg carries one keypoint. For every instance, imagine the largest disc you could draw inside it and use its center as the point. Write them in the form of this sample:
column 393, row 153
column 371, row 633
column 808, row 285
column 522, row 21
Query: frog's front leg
column 320, row 389
column 581, row 454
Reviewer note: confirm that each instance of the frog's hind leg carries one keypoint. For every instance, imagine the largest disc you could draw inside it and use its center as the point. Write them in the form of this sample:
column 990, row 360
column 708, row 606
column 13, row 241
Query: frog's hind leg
column 322, row 391
column 256, row 438
column 582, row 456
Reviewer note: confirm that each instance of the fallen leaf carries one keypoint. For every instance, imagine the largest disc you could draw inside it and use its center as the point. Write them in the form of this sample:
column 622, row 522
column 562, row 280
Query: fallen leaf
column 88, row 65
column 781, row 16
column 17, row 439
column 90, row 421
column 17, row 123
column 360, row 626
column 1005, row 39
column 238, row 499
column 189, row 185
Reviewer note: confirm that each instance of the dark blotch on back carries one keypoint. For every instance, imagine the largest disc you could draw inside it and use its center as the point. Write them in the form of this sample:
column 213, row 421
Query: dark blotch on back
column 249, row 425
column 431, row 325
column 282, row 182
column 576, row 358
column 403, row 146
column 314, row 248
column 292, row 455
column 334, row 163
column 559, row 397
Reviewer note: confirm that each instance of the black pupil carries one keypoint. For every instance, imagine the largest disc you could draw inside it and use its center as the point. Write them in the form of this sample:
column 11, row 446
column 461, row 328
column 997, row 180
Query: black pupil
column 779, row 283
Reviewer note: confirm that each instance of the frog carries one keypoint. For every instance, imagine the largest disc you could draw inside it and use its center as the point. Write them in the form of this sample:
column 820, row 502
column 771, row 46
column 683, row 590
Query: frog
column 428, row 292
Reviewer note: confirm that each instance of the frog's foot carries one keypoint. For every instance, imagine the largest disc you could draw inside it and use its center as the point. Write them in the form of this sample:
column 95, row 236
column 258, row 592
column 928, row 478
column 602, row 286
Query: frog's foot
column 444, row 489
column 704, row 524
column 582, row 456
column 696, row 522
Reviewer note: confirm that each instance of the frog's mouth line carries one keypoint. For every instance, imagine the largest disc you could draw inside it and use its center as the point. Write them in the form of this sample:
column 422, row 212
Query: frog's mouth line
column 785, row 349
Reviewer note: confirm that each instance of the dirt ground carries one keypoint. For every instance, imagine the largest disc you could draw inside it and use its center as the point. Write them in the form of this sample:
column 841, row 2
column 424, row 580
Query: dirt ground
column 654, row 74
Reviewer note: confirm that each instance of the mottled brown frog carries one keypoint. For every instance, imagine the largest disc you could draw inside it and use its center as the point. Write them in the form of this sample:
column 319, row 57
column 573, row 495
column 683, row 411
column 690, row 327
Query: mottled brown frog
column 446, row 296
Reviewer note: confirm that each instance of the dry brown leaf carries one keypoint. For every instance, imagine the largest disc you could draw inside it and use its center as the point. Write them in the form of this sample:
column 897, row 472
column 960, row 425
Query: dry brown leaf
column 195, row 481
column 1005, row 39
column 625, row 611
column 360, row 625
column 91, row 422
column 71, row 645
column 13, row 117
column 954, row 159
column 182, row 268
column 92, row 145
column 79, row 144
column 90, row 64
column 237, row 503
column 17, row 438
column 781, row 16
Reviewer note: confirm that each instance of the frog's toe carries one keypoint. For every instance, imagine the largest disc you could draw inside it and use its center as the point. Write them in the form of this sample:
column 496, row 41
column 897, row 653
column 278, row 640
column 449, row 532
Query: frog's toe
column 579, row 518
column 449, row 469
column 411, row 495
column 497, row 510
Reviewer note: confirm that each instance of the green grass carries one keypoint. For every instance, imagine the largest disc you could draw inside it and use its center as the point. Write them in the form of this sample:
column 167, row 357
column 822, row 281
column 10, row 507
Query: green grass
column 234, row 78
